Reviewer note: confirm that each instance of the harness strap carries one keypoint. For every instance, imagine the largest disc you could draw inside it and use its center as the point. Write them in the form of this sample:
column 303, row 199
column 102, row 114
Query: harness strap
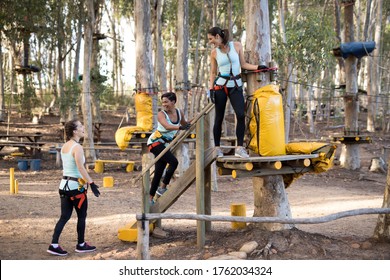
column 154, row 144
column 80, row 196
column 70, row 178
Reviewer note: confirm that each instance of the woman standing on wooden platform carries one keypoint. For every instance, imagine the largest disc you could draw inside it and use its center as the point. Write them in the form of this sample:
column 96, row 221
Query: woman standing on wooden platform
column 227, row 59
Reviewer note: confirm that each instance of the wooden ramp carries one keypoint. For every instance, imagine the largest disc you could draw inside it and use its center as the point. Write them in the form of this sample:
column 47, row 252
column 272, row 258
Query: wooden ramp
column 129, row 231
column 180, row 185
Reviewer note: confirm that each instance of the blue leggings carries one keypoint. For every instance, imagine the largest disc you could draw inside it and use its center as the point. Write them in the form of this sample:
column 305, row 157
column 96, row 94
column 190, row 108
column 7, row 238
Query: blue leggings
column 67, row 205
column 237, row 100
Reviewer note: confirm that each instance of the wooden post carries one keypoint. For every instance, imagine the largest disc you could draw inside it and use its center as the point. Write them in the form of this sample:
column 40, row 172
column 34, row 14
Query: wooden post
column 200, row 175
column 207, row 171
column 145, row 192
column 143, row 240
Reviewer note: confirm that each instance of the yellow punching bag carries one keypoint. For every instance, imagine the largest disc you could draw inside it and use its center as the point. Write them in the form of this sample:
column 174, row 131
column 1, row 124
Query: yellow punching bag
column 266, row 125
column 144, row 109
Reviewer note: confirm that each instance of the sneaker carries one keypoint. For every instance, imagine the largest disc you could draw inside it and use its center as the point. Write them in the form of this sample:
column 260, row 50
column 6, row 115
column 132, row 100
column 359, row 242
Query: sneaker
column 56, row 251
column 218, row 152
column 241, row 152
column 151, row 202
column 160, row 191
column 85, row 248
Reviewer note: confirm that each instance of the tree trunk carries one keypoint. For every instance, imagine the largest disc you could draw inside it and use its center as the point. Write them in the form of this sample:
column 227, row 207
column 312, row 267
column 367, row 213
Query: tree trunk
column 350, row 155
column 2, row 107
column 86, row 94
column 382, row 229
column 182, row 75
column 269, row 191
column 287, row 86
column 96, row 79
column 144, row 65
column 160, row 63
column 375, row 82
column 72, row 112
column 273, row 203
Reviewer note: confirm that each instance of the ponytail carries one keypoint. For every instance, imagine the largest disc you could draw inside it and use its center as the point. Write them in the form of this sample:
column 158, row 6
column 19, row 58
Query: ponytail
column 223, row 33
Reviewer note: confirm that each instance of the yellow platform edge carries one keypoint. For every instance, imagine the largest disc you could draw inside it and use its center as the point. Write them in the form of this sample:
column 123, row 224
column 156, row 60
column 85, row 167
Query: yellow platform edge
column 130, row 233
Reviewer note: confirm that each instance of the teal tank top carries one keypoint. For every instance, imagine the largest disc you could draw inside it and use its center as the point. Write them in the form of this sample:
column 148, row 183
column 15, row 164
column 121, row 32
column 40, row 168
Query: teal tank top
column 224, row 66
column 163, row 135
column 70, row 169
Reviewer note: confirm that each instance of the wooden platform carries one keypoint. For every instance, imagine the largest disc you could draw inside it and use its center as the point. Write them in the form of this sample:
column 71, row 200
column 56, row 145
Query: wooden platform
column 265, row 166
column 352, row 139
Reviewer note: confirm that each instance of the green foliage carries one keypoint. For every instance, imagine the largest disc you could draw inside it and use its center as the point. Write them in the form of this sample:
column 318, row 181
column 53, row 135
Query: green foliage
column 72, row 92
column 108, row 97
column 309, row 44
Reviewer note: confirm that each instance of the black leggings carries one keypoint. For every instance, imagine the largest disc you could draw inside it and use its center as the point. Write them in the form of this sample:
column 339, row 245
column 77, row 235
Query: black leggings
column 237, row 100
column 67, row 206
column 159, row 167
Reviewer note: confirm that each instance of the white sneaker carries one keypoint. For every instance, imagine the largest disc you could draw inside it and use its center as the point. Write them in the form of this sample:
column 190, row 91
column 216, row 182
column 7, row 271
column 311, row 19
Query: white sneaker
column 241, row 152
column 160, row 191
column 218, row 152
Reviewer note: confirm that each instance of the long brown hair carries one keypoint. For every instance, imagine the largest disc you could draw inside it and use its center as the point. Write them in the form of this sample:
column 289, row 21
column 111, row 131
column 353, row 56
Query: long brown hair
column 223, row 33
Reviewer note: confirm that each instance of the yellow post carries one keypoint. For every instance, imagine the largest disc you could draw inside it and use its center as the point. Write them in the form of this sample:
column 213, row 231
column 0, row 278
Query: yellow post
column 238, row 209
column 12, row 180
column 130, row 167
column 108, row 182
column 16, row 186
column 99, row 166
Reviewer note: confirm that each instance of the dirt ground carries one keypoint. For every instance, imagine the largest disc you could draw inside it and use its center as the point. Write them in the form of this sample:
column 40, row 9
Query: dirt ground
column 27, row 219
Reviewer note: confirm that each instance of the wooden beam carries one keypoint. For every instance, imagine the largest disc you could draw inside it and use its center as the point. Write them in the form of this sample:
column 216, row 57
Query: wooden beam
column 239, row 165
column 270, row 171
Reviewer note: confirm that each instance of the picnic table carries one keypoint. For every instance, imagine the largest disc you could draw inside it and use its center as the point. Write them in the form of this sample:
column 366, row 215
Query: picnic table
column 28, row 142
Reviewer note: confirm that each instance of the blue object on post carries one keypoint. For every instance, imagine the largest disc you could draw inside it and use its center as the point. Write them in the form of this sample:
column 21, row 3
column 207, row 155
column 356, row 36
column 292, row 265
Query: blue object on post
column 357, row 49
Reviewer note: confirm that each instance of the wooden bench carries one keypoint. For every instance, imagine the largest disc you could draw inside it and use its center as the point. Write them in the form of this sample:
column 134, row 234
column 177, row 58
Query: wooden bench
column 99, row 164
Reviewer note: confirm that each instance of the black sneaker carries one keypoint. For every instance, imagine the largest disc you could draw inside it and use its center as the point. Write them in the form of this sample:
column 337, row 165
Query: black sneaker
column 57, row 251
column 85, row 248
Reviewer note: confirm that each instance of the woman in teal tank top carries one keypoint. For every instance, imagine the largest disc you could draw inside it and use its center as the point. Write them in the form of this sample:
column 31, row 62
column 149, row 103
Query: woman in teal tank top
column 227, row 59
column 73, row 190
column 170, row 120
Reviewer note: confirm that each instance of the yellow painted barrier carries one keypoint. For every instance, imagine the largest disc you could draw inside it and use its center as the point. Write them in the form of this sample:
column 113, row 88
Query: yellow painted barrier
column 238, row 209
column 16, row 188
column 130, row 233
column 12, row 180
column 108, row 182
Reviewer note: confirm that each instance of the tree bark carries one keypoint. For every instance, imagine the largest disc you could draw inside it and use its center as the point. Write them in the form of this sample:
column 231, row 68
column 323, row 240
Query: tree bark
column 86, row 94
column 375, row 82
column 269, row 191
column 2, row 107
column 350, row 155
column 182, row 75
column 382, row 229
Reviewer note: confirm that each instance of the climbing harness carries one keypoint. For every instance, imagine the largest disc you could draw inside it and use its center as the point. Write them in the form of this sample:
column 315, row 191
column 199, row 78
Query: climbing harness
column 227, row 79
column 83, row 191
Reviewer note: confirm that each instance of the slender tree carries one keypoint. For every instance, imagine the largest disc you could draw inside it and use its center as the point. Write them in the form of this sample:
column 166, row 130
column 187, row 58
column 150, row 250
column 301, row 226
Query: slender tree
column 350, row 156
column 270, row 198
column 86, row 94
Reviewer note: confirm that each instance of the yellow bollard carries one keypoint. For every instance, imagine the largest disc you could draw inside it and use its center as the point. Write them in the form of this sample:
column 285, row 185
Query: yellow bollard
column 238, row 209
column 108, row 182
column 99, row 166
column 16, row 186
column 12, row 180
